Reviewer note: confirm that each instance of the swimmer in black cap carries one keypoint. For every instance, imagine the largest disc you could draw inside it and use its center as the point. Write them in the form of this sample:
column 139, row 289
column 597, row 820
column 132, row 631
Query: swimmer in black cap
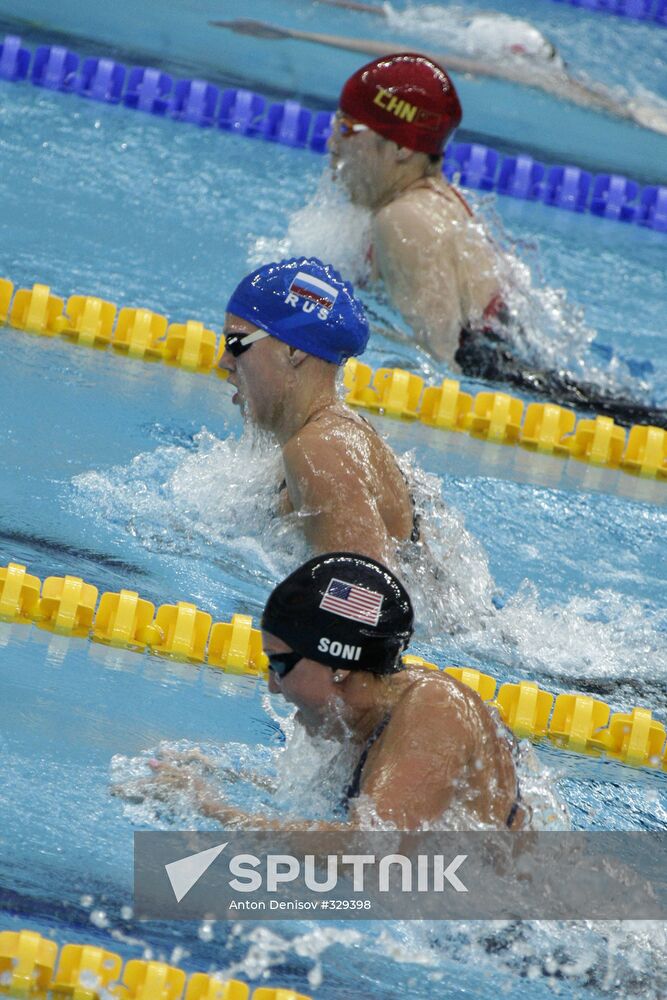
column 334, row 632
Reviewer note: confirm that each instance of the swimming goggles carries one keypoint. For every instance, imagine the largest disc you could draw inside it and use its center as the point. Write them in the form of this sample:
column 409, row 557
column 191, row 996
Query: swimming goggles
column 282, row 663
column 239, row 343
column 347, row 127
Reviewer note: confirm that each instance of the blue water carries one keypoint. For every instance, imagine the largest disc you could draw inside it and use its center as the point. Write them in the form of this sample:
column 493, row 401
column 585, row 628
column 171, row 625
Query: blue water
column 137, row 475
column 606, row 51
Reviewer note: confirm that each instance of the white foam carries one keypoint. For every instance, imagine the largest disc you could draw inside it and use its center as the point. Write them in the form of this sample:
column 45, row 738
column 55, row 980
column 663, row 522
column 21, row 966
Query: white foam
column 328, row 227
column 487, row 35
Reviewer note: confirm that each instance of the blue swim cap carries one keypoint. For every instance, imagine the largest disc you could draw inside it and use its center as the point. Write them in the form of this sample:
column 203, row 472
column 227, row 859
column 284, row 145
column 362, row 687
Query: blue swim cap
column 306, row 304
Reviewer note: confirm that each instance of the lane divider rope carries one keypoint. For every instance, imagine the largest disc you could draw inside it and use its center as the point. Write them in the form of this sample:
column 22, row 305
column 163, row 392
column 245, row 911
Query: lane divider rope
column 68, row 606
column 492, row 416
column 144, row 88
column 89, row 972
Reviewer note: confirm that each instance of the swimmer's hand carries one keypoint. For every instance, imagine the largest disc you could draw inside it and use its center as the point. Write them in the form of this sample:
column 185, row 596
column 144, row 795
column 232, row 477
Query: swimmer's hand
column 178, row 758
column 172, row 777
column 169, row 778
column 207, row 765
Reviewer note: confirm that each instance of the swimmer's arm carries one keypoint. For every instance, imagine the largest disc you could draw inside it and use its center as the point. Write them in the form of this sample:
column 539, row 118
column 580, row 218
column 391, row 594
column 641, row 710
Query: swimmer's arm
column 328, row 488
column 261, row 781
column 170, row 777
column 416, row 264
column 411, row 782
column 216, row 809
column 208, row 765
column 417, row 771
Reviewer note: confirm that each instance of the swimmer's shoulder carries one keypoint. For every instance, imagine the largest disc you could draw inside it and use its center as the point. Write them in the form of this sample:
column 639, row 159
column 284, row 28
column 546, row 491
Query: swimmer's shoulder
column 328, row 443
column 429, row 702
column 419, row 216
column 334, row 422
column 433, row 697
column 433, row 195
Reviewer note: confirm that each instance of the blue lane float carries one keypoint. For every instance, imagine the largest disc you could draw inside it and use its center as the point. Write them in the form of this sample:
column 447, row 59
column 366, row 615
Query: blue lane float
column 614, row 198
column 321, row 131
column 241, row 111
column 568, row 188
column 521, row 177
column 475, row 165
column 144, row 88
column 635, row 10
column 148, row 90
column 287, row 123
column 101, row 80
column 195, row 101
column 14, row 60
column 54, row 67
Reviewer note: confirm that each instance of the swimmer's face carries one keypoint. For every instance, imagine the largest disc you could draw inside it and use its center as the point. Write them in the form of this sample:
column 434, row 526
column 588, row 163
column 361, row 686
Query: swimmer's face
column 363, row 162
column 309, row 685
column 261, row 375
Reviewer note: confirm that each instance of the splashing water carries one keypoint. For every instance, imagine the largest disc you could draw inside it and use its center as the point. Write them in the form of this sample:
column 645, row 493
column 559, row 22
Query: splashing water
column 183, row 500
column 491, row 36
column 215, row 502
column 447, row 574
column 304, row 778
column 330, row 227
column 548, row 332
column 496, row 37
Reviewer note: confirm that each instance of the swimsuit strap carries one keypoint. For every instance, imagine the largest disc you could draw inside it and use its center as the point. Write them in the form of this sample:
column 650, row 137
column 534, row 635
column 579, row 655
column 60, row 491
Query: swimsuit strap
column 430, row 184
column 321, row 409
column 514, row 810
column 354, row 787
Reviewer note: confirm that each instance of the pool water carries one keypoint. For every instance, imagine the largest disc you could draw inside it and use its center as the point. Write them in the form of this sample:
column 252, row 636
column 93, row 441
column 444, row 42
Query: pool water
column 138, row 475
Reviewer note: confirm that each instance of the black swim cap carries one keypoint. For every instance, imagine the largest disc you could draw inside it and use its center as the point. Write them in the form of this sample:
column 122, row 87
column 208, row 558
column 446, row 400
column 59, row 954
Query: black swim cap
column 344, row 610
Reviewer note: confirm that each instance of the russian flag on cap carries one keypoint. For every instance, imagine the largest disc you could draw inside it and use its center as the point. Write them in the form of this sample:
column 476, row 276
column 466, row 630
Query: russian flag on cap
column 314, row 289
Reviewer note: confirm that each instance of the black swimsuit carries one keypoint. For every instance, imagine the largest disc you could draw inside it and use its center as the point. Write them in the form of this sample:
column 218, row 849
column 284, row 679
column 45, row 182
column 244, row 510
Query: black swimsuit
column 488, row 354
column 354, row 787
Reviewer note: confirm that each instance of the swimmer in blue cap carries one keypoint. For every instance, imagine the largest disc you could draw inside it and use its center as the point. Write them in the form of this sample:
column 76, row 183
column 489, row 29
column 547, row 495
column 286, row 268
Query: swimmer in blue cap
column 288, row 328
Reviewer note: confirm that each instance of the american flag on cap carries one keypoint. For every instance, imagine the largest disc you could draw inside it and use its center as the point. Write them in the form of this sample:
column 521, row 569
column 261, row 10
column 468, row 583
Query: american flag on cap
column 348, row 600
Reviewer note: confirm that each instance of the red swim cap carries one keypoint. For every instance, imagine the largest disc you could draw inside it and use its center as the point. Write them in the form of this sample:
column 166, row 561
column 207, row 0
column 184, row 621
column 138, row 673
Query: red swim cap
column 406, row 98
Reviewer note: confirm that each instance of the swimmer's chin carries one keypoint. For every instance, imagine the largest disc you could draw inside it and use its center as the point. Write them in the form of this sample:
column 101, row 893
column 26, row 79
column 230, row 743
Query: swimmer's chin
column 311, row 726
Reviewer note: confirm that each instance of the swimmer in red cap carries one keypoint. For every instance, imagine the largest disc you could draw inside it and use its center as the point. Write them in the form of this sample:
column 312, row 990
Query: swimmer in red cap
column 395, row 116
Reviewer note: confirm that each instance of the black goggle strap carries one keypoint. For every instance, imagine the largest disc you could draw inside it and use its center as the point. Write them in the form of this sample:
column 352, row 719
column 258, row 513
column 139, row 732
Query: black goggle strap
column 282, row 663
column 237, row 343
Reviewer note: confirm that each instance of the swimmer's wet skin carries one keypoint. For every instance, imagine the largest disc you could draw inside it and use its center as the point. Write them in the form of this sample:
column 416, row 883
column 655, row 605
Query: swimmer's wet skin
column 334, row 631
column 437, row 264
column 288, row 327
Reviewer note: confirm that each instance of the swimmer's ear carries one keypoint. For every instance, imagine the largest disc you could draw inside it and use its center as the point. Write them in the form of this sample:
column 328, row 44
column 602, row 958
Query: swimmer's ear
column 296, row 357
